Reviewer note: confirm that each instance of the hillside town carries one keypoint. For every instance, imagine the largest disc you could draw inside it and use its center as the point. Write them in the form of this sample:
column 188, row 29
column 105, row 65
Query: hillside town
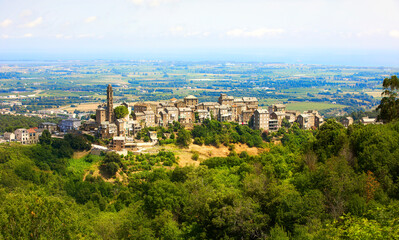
column 188, row 111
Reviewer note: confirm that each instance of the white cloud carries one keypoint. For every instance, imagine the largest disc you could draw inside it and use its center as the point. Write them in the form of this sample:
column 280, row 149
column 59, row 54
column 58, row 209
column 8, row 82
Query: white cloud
column 137, row 2
column 91, row 19
column 59, row 35
column 176, row 30
column 34, row 23
column 4, row 36
column 152, row 3
column 394, row 33
column 28, row 35
column 180, row 31
column 86, row 35
column 257, row 33
column 370, row 33
column 26, row 13
column 5, row 23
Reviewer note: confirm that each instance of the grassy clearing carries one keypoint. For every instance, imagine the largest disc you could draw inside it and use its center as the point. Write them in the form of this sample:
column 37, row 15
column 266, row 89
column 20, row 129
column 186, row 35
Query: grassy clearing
column 205, row 152
column 79, row 165
column 303, row 106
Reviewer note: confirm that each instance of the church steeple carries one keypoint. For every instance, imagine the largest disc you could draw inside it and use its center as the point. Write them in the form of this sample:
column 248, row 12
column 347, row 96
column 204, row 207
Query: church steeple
column 110, row 104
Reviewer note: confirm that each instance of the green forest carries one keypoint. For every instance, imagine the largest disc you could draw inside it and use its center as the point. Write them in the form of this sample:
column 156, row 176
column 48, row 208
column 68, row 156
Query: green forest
column 324, row 184
column 329, row 183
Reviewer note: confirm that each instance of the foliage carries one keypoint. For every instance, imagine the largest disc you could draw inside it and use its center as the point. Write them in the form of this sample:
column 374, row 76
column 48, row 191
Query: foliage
column 389, row 106
column 9, row 123
column 183, row 138
column 45, row 138
column 330, row 183
column 121, row 112
column 111, row 163
column 213, row 132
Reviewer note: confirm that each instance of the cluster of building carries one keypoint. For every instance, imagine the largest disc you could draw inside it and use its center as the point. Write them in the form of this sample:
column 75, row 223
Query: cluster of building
column 32, row 135
column 188, row 111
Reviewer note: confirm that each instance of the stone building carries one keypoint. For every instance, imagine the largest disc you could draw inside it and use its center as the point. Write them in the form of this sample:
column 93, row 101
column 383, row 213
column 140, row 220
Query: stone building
column 172, row 115
column 100, row 115
column 190, row 101
column 246, row 116
column 250, row 101
column 367, row 120
column 9, row 136
column 261, row 119
column 225, row 100
column 203, row 114
column 225, row 114
column 347, row 121
column 149, row 117
column 141, row 107
column 110, row 105
column 22, row 135
column 279, row 116
column 186, row 115
column 71, row 124
column 277, row 108
column 305, row 121
column 34, row 135
column 51, row 127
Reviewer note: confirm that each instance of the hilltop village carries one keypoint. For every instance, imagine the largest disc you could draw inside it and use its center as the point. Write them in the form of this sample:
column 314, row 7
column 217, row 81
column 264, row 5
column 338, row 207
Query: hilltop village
column 122, row 130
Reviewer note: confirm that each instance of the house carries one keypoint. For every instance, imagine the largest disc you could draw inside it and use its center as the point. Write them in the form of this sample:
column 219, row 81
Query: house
column 246, row 116
column 172, row 115
column 261, row 119
column 225, row 100
column 186, row 115
column 273, row 125
column 347, row 121
column 277, row 108
column 9, row 136
column 305, row 121
column 141, row 107
column 153, row 136
column 250, row 101
column 100, row 115
column 51, row 127
column 34, row 135
column 70, row 124
column 149, row 117
column 190, row 101
column 22, row 135
column 202, row 115
column 224, row 114
column 367, row 120
column 279, row 116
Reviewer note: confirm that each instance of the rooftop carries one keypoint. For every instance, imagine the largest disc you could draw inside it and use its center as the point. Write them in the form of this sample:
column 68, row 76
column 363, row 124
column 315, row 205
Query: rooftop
column 190, row 97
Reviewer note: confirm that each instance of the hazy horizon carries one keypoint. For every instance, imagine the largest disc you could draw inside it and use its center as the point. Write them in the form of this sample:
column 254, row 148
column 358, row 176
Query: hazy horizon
column 355, row 33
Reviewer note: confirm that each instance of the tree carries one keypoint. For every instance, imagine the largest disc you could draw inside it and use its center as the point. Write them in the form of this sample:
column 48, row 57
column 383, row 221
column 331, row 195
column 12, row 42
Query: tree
column 183, row 138
column 121, row 112
column 389, row 106
column 45, row 138
column 111, row 163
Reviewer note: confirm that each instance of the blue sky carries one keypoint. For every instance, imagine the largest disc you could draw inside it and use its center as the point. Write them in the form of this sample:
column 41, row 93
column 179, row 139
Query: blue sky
column 348, row 32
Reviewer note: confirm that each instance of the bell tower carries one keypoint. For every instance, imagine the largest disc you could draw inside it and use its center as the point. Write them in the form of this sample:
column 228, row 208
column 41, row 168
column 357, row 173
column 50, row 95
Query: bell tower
column 110, row 104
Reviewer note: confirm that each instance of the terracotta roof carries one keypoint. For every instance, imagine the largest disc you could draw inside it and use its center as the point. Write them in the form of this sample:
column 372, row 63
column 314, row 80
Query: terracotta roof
column 32, row 130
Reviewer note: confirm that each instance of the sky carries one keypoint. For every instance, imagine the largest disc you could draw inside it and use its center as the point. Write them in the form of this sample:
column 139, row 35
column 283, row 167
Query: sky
column 341, row 32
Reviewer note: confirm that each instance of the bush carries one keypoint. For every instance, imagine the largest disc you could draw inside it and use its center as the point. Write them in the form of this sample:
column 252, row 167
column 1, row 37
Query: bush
column 110, row 168
column 195, row 156
column 199, row 141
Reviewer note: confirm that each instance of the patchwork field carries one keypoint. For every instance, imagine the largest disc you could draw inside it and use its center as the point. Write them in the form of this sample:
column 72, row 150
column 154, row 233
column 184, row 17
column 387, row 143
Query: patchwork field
column 303, row 106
